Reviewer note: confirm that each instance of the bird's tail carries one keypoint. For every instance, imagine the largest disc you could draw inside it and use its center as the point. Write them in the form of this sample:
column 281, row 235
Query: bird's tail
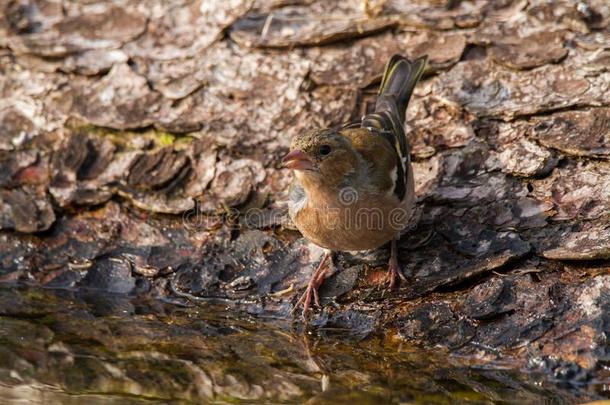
column 399, row 79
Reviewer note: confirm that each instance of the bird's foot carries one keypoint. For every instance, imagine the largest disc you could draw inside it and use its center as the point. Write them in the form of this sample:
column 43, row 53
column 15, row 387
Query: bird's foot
column 394, row 273
column 311, row 292
column 309, row 297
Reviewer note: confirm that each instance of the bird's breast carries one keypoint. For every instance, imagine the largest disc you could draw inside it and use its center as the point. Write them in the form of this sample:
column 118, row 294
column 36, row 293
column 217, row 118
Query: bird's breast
column 351, row 222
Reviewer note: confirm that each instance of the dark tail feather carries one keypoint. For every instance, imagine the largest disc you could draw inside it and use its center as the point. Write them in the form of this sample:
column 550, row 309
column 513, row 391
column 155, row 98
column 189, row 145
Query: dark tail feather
column 399, row 79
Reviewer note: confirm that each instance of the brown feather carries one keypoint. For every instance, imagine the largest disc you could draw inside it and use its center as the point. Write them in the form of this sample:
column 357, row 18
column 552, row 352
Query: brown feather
column 378, row 153
column 348, row 203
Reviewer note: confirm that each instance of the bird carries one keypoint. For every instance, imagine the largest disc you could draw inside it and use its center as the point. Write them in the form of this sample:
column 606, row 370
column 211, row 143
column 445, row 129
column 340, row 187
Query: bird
column 353, row 186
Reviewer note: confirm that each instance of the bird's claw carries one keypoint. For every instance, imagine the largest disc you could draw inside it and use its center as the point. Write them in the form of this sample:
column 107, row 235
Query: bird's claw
column 311, row 292
column 394, row 273
column 306, row 299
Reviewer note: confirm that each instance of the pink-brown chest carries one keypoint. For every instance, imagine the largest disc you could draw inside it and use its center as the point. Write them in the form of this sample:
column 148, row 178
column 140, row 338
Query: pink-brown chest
column 352, row 220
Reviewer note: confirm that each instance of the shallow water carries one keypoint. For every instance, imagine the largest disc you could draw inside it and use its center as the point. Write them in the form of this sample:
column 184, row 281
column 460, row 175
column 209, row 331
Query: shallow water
column 70, row 347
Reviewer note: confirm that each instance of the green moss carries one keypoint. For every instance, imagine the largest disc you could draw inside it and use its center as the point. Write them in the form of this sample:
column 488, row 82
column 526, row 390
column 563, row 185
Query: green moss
column 126, row 138
column 165, row 138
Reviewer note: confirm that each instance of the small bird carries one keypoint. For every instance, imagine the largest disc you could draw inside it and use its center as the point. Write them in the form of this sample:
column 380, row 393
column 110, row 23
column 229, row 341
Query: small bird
column 353, row 186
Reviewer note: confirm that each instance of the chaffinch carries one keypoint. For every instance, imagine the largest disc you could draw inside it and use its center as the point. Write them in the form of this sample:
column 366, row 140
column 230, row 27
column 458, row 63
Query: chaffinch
column 353, row 187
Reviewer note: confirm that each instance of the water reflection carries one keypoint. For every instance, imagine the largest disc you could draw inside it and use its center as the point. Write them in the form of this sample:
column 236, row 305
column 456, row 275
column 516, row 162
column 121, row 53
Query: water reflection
column 68, row 347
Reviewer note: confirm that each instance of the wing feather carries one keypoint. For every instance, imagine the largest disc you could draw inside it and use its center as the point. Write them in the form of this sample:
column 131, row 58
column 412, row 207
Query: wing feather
column 399, row 79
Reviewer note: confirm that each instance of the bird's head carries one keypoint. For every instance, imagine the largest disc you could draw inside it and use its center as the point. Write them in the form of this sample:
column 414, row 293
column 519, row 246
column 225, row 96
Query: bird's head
column 322, row 158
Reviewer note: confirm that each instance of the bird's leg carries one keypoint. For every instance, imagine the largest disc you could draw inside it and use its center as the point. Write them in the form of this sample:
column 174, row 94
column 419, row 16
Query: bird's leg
column 315, row 281
column 393, row 268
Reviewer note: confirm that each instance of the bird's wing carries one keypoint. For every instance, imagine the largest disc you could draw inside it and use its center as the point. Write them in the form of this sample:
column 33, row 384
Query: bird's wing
column 380, row 157
column 399, row 79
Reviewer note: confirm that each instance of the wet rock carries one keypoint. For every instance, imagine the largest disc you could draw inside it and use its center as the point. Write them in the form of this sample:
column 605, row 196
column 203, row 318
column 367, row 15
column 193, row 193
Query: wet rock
column 459, row 252
column 266, row 218
column 469, row 186
column 146, row 271
column 340, row 282
column 297, row 266
column 110, row 274
column 532, row 213
column 265, row 266
column 577, row 133
column 470, row 179
column 158, row 260
column 222, row 274
column 562, row 371
column 534, row 310
column 201, row 281
column 75, row 241
column 16, row 257
column 15, row 303
column 435, row 324
column 489, row 299
column 589, row 302
column 359, row 324
column 530, row 52
column 66, row 279
column 578, row 322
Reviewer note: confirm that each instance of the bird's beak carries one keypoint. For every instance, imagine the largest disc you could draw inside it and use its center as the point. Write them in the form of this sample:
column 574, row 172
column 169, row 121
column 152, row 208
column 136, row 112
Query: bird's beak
column 297, row 160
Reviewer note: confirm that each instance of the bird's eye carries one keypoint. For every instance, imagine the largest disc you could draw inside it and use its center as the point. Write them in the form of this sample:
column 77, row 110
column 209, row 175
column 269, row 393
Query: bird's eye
column 324, row 150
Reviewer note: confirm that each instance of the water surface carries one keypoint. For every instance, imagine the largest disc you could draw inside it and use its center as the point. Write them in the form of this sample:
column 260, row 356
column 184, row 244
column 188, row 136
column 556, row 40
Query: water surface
column 75, row 347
